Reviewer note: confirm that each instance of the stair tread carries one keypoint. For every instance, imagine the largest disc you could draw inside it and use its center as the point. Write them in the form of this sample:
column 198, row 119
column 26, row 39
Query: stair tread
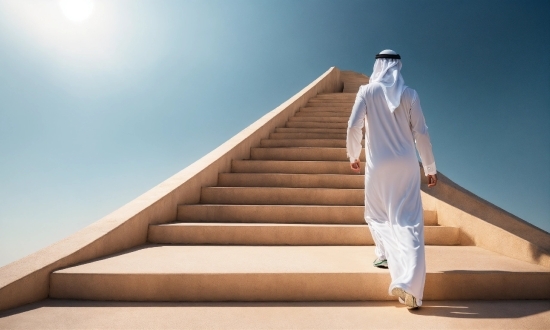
column 185, row 259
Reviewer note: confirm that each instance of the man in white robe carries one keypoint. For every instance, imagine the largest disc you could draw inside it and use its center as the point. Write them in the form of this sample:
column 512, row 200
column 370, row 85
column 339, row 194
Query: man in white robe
column 394, row 123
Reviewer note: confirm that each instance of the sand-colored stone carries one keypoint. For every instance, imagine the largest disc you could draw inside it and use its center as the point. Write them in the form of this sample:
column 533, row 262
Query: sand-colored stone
column 297, row 167
column 291, row 180
column 301, row 153
column 276, row 195
column 82, row 315
column 27, row 279
column 291, row 273
column 282, row 196
column 317, row 214
column 323, row 119
column 281, row 234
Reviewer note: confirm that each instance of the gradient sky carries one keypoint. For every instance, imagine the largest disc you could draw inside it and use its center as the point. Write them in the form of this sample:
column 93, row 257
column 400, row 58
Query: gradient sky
column 94, row 114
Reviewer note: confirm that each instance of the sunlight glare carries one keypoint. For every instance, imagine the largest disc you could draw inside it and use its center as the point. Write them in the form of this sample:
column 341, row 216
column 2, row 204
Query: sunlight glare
column 77, row 10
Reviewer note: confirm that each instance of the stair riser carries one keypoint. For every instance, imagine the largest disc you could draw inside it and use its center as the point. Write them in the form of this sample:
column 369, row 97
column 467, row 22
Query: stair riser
column 301, row 154
column 282, row 196
column 335, row 95
column 308, row 136
column 291, row 180
column 292, row 287
column 310, row 130
column 281, row 214
column 321, row 119
column 340, row 99
column 322, row 143
column 300, row 124
column 348, row 101
column 330, row 104
column 322, row 109
column 294, row 167
column 260, row 235
column 322, row 114
column 352, row 87
column 269, row 234
column 220, row 287
column 272, row 214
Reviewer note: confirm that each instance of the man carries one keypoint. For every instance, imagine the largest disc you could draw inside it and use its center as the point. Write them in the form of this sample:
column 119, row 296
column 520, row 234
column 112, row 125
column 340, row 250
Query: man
column 393, row 119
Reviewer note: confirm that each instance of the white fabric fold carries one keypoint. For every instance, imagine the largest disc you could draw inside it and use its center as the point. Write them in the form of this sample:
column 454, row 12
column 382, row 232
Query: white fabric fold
column 393, row 208
column 387, row 72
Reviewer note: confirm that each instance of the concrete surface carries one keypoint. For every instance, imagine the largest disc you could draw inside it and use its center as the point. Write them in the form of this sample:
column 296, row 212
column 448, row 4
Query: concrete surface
column 301, row 153
column 281, row 234
column 71, row 315
column 281, row 195
column 26, row 280
column 296, row 167
column 255, row 273
column 291, row 273
column 291, row 180
column 318, row 214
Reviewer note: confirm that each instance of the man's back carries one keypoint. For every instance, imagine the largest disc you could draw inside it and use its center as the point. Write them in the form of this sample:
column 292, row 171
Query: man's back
column 388, row 134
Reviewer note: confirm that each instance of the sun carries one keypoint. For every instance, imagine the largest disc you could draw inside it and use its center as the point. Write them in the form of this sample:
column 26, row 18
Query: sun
column 77, row 10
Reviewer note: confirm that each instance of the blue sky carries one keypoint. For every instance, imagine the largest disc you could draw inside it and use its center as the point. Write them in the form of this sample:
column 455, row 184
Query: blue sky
column 93, row 114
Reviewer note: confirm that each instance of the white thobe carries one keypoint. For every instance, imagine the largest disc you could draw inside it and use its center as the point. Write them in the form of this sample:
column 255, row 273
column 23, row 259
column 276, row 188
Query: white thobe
column 393, row 208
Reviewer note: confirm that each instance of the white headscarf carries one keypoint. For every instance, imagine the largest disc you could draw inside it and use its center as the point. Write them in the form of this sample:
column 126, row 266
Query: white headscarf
column 387, row 72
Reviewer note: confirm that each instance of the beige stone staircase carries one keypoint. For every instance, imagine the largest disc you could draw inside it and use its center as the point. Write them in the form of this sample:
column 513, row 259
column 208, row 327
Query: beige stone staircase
column 267, row 232
column 287, row 225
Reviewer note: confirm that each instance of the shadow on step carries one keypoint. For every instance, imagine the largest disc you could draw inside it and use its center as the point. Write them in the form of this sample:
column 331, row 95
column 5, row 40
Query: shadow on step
column 483, row 309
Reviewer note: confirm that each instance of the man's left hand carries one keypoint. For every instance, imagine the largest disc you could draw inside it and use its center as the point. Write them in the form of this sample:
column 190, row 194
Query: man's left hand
column 432, row 180
column 356, row 166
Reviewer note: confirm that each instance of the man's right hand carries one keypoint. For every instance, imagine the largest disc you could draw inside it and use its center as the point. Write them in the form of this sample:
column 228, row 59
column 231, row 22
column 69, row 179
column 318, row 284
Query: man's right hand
column 356, row 166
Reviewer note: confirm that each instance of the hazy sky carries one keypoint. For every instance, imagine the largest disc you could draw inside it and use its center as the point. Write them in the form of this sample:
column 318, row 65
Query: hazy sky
column 93, row 114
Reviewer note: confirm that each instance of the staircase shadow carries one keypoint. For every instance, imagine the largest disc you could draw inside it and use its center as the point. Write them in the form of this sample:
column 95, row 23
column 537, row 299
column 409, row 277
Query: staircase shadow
column 483, row 309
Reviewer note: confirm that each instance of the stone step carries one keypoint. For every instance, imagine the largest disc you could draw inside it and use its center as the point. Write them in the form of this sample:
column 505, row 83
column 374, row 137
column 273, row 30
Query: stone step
column 352, row 87
column 309, row 136
column 295, row 167
column 334, row 98
column 291, row 273
column 320, row 119
column 306, row 153
column 315, row 124
column 61, row 314
column 310, row 130
column 330, row 104
column 313, row 214
column 291, row 180
column 281, row 234
column 346, row 97
column 283, row 143
column 322, row 114
column 281, row 196
column 346, row 109
column 339, row 103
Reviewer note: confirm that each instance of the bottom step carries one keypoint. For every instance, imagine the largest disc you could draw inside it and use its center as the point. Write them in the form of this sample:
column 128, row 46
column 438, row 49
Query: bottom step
column 291, row 273
column 73, row 314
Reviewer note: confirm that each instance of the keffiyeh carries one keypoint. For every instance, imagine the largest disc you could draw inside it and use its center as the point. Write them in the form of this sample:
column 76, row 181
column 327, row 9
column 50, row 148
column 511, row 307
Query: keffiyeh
column 387, row 72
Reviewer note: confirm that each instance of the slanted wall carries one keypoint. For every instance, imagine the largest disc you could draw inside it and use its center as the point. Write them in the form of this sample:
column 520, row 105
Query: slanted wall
column 27, row 280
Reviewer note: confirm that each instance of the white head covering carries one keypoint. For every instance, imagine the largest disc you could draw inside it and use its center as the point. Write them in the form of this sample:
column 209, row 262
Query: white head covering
column 387, row 72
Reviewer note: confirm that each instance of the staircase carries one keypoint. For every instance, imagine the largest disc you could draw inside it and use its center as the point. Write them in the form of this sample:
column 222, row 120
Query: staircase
column 287, row 225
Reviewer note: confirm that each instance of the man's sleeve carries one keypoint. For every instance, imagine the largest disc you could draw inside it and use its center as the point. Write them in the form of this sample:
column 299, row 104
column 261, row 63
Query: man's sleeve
column 421, row 136
column 355, row 127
